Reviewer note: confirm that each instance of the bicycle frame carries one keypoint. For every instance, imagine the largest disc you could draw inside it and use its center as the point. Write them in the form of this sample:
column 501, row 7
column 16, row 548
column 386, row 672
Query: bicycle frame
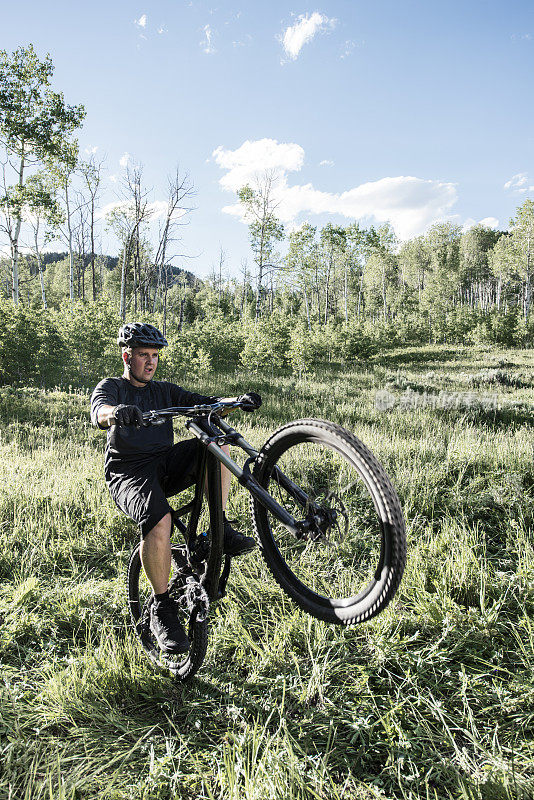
column 213, row 432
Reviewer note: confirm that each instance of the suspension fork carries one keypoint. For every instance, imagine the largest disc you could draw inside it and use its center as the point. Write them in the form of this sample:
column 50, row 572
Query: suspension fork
column 286, row 483
column 212, row 444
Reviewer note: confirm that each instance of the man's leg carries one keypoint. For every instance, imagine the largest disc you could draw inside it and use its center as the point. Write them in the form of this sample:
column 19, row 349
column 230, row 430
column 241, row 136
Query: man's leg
column 156, row 559
column 141, row 496
column 156, row 554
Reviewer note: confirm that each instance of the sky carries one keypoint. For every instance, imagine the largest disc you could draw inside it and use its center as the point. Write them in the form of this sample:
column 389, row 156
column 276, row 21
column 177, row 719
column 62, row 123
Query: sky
column 403, row 112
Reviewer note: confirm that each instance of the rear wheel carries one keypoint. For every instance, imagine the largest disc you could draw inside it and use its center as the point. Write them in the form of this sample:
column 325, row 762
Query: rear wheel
column 185, row 588
column 349, row 562
column 140, row 598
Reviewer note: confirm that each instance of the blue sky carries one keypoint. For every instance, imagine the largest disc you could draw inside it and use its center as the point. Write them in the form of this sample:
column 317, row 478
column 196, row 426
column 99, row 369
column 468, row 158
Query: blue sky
column 411, row 112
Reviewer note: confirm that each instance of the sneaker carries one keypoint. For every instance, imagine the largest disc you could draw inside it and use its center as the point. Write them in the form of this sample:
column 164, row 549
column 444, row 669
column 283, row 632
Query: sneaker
column 236, row 543
column 167, row 628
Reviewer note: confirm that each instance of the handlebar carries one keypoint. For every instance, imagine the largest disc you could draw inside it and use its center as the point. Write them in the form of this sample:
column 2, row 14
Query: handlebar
column 158, row 416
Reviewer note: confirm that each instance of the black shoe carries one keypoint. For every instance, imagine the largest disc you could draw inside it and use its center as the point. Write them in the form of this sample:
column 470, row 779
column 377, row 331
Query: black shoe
column 236, row 543
column 167, row 628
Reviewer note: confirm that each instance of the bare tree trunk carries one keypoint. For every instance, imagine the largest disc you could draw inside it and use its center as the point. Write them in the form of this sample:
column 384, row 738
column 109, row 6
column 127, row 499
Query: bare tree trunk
column 93, row 275
column 306, row 305
column 123, row 280
column 15, row 241
column 39, row 264
column 165, row 303
column 69, row 241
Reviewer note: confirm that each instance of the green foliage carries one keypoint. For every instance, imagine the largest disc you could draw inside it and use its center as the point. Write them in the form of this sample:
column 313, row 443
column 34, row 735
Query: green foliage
column 305, row 349
column 31, row 347
column 266, row 345
column 34, row 120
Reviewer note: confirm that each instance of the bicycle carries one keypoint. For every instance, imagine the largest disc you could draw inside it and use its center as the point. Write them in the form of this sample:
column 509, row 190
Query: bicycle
column 328, row 520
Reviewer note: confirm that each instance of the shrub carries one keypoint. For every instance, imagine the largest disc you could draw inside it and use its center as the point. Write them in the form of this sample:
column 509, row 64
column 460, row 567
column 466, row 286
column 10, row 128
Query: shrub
column 266, row 344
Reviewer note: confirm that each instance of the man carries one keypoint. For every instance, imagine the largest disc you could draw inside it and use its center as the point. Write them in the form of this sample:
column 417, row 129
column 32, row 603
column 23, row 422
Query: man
column 143, row 467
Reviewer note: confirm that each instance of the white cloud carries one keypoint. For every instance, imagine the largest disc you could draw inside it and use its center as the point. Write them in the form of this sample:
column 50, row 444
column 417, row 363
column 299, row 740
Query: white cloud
column 124, row 159
column 206, row 42
column 326, row 163
column 411, row 204
column 296, row 36
column 91, row 150
column 489, row 222
column 252, row 158
column 243, row 43
column 162, row 29
column 102, row 212
column 519, row 183
column 142, row 21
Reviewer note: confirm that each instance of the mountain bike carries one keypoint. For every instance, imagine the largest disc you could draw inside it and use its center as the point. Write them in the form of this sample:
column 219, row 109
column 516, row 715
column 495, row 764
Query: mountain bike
column 327, row 518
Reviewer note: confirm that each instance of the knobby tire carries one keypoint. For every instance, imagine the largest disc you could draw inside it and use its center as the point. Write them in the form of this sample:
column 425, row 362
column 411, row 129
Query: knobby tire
column 364, row 553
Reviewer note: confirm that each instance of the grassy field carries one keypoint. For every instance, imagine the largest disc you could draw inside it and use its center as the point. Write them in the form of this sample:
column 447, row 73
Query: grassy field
column 432, row 699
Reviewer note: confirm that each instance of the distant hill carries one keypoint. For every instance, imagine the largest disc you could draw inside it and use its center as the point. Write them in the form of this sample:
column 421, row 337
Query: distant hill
column 111, row 263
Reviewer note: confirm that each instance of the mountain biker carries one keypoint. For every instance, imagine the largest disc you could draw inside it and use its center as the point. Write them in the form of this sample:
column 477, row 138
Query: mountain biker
column 143, row 467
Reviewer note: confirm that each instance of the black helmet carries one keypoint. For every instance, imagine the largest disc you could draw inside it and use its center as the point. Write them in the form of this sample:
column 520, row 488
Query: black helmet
column 137, row 334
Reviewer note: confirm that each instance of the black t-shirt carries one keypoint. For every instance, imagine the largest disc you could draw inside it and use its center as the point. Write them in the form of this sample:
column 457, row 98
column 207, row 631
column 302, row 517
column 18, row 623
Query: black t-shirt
column 127, row 445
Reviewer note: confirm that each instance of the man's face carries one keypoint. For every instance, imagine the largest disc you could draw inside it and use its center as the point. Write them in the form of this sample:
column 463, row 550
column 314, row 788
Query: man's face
column 143, row 362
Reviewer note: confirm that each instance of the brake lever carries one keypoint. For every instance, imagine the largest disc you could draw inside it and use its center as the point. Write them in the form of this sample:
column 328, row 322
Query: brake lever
column 153, row 419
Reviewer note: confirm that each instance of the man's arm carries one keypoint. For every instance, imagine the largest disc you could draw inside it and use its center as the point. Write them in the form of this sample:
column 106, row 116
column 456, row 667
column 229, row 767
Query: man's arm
column 105, row 416
column 104, row 400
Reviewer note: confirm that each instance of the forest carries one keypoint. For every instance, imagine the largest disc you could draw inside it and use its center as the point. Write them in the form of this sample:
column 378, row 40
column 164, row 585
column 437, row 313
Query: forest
column 305, row 297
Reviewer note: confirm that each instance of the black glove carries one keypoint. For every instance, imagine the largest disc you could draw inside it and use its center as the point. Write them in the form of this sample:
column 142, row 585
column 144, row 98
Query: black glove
column 251, row 401
column 128, row 415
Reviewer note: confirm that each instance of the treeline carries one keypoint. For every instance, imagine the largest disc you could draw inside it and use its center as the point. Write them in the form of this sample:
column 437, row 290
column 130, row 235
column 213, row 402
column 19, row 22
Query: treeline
column 76, row 346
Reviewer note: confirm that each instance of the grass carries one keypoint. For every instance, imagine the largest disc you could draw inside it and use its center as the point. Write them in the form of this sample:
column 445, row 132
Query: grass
column 432, row 699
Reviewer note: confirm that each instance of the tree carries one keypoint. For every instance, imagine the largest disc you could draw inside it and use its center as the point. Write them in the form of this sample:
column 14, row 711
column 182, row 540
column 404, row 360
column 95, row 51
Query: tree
column 522, row 238
column 356, row 253
column 502, row 263
column 265, row 229
column 414, row 262
column 126, row 220
column 475, row 274
column 44, row 217
column 35, row 130
column 442, row 287
column 91, row 172
column 382, row 270
column 333, row 243
column 180, row 188
column 300, row 262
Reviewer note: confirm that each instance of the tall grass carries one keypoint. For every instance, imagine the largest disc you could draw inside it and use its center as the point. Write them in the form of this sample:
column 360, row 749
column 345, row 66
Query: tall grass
column 432, row 699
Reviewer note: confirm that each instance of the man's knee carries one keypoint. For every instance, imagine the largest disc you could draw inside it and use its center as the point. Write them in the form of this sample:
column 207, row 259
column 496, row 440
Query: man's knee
column 161, row 530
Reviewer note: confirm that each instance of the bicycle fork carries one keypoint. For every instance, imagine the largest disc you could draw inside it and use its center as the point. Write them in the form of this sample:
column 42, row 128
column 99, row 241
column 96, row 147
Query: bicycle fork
column 231, row 436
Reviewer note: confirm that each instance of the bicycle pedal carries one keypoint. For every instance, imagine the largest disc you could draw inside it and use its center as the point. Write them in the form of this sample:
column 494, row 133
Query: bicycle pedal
column 200, row 550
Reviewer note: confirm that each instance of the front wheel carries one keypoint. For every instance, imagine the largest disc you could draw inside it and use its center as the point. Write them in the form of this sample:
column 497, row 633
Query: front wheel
column 349, row 560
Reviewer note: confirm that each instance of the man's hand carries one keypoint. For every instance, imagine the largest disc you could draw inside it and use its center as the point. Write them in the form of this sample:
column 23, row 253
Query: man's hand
column 250, row 401
column 128, row 415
